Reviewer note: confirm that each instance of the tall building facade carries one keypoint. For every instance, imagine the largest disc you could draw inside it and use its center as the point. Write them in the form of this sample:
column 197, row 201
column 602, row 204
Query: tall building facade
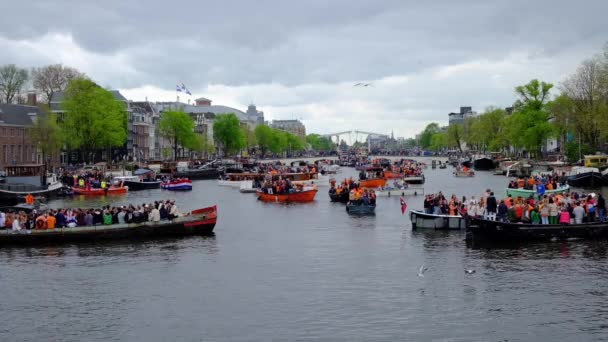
column 294, row 127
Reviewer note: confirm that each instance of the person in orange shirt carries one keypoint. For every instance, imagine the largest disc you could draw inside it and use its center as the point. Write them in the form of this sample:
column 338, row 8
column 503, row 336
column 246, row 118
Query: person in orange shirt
column 29, row 199
column 51, row 221
column 531, row 181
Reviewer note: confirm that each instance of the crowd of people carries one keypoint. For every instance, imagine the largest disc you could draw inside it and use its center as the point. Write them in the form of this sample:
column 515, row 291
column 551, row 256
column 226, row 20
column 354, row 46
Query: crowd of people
column 538, row 183
column 108, row 215
column 362, row 196
column 565, row 208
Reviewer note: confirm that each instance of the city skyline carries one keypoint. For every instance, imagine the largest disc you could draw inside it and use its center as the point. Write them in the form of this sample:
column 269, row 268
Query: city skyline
column 423, row 61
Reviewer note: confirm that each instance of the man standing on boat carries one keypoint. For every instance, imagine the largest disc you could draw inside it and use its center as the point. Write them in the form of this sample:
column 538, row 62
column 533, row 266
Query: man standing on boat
column 491, row 207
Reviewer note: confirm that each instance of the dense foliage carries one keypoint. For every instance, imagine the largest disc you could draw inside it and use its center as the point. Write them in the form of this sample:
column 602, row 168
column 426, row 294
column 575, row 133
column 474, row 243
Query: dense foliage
column 94, row 118
column 228, row 133
column 178, row 127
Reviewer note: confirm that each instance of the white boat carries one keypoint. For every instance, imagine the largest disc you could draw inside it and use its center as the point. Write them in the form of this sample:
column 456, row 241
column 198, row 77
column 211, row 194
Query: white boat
column 247, row 187
column 230, row 183
column 414, row 179
column 397, row 192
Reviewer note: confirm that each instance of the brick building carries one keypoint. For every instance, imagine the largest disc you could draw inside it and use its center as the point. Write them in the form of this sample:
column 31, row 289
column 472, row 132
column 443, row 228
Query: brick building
column 15, row 145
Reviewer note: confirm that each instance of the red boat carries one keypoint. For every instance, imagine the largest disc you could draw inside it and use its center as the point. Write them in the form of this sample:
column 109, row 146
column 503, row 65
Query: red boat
column 294, row 197
column 113, row 190
column 373, row 183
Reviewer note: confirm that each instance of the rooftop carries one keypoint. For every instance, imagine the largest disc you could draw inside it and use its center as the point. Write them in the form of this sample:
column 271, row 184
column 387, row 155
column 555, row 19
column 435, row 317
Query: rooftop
column 18, row 115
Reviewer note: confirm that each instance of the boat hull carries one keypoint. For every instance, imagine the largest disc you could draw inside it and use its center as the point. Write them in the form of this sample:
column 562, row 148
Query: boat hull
column 499, row 232
column 393, row 175
column 137, row 186
column 373, row 183
column 587, row 180
column 199, row 222
column 341, row 197
column 484, row 164
column 421, row 220
column 101, row 192
column 295, row 197
column 177, row 186
column 526, row 193
column 13, row 194
column 360, row 209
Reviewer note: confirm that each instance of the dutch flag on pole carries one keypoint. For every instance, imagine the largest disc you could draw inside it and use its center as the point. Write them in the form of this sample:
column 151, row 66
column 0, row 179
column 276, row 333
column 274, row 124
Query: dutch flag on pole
column 177, row 88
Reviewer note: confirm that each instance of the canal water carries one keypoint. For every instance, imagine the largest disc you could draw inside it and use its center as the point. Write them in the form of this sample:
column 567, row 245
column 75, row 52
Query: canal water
column 305, row 272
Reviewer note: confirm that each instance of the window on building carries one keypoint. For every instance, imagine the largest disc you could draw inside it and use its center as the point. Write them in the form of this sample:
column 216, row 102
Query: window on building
column 12, row 132
column 5, row 153
column 19, row 157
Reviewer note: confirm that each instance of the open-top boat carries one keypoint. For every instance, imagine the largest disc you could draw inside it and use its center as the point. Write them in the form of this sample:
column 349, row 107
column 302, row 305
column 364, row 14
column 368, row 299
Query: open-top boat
column 524, row 193
column 198, row 222
column 421, row 219
column 292, row 197
column 360, row 209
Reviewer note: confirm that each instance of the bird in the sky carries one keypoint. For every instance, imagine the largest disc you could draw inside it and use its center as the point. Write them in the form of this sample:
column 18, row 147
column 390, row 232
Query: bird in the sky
column 358, row 84
column 368, row 85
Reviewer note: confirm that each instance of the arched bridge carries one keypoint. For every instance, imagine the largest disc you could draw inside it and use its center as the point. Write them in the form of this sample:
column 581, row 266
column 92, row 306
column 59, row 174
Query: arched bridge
column 350, row 134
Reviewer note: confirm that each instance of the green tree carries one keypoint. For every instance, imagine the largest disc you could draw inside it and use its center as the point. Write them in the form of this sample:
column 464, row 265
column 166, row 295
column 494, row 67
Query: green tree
column 293, row 142
column 529, row 126
column 250, row 138
column 264, row 136
column 455, row 136
column 319, row 143
column 228, row 134
column 178, row 127
column 279, row 142
column 12, row 80
column 439, row 141
column 46, row 135
column 94, row 119
column 427, row 135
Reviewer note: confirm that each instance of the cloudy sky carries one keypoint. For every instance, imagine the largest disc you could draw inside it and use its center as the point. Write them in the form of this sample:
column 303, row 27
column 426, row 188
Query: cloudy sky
column 300, row 59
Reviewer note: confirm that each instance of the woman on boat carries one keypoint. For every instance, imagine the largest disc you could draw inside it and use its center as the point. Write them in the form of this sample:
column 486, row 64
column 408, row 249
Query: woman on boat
column 553, row 211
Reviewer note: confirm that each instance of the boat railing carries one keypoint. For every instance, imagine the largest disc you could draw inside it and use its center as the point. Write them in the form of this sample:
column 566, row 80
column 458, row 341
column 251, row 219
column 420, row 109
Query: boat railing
column 21, row 187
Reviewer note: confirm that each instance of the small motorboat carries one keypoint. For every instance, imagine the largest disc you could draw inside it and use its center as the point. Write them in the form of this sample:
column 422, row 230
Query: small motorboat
column 360, row 209
column 292, row 197
column 177, row 185
column 341, row 197
column 421, row 219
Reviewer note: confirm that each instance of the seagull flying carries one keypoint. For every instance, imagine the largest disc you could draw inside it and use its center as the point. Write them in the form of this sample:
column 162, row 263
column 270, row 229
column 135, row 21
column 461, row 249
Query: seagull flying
column 368, row 85
column 358, row 84
column 421, row 271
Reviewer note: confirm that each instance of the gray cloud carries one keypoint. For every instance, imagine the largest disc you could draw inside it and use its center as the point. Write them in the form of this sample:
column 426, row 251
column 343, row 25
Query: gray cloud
column 312, row 49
